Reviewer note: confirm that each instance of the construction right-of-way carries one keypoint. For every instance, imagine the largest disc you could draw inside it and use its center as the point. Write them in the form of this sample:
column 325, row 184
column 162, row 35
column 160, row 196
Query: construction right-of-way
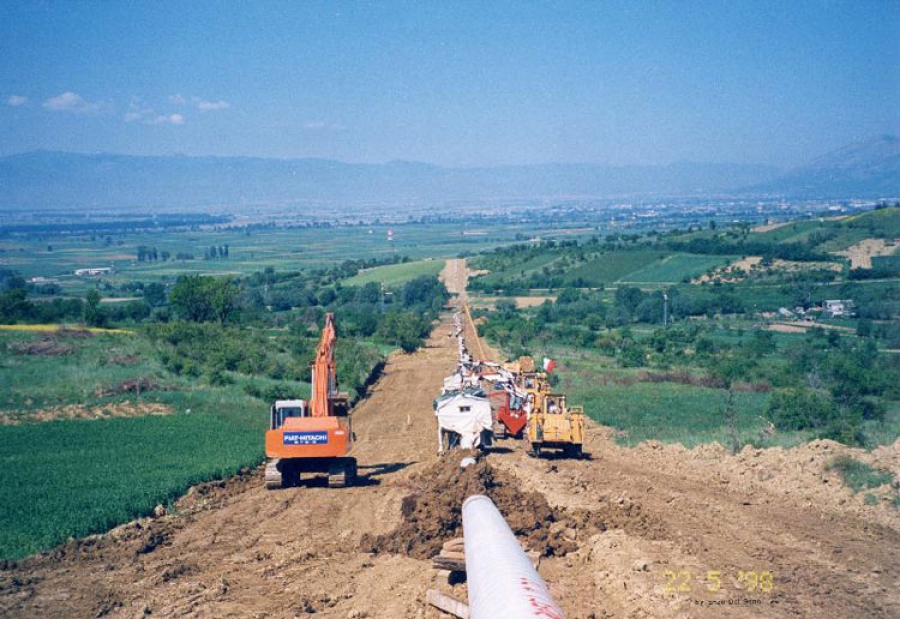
column 484, row 400
column 686, row 532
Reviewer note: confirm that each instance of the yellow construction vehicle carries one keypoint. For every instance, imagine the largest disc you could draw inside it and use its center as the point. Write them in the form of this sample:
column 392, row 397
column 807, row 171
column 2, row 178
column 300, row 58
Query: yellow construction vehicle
column 553, row 424
column 535, row 387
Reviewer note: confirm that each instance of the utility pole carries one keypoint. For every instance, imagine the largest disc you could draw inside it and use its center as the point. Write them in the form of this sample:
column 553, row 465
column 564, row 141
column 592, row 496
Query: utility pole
column 665, row 310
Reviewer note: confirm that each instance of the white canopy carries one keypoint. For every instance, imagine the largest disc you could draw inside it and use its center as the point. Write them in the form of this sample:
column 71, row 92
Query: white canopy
column 466, row 414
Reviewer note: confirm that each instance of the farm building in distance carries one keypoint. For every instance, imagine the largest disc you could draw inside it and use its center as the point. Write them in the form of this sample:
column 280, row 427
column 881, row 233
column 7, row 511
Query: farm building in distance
column 96, row 272
column 837, row 308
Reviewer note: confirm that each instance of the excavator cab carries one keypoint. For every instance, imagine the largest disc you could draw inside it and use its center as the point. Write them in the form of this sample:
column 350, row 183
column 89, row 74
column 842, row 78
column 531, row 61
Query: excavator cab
column 283, row 409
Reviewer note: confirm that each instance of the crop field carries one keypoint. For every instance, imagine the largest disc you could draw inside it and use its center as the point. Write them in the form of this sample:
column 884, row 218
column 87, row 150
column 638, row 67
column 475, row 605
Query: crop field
column 519, row 269
column 613, row 267
column 676, row 267
column 884, row 222
column 395, row 274
column 796, row 232
column 639, row 267
column 73, row 478
column 837, row 234
column 668, row 412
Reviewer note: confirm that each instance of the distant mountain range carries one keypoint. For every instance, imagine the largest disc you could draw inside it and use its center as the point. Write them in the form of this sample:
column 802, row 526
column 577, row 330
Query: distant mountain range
column 868, row 169
column 45, row 180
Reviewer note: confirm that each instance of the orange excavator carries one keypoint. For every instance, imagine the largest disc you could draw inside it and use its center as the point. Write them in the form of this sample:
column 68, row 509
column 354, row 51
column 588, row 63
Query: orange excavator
column 314, row 436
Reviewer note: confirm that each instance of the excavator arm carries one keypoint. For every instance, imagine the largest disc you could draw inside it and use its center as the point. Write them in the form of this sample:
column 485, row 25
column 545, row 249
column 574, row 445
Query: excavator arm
column 324, row 373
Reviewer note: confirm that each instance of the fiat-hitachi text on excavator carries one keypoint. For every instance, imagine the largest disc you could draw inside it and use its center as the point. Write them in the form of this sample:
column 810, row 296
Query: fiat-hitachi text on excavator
column 314, row 436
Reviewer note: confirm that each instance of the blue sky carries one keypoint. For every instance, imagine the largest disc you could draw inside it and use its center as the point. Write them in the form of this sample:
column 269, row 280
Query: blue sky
column 452, row 83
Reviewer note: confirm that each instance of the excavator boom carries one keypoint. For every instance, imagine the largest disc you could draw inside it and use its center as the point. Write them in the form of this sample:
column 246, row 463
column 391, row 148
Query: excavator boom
column 324, row 374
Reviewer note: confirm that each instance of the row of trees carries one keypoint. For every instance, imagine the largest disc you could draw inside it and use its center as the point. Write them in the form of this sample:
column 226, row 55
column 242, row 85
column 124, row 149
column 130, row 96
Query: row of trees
column 150, row 254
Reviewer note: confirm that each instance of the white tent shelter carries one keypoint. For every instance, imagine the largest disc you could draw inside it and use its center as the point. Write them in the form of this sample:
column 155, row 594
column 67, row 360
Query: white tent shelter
column 467, row 414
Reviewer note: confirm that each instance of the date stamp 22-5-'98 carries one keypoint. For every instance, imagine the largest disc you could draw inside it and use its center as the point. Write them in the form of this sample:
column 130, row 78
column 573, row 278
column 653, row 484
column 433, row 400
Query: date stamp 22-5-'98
column 721, row 588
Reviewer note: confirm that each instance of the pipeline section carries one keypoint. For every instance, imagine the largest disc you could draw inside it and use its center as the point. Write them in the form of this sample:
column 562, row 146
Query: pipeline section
column 503, row 583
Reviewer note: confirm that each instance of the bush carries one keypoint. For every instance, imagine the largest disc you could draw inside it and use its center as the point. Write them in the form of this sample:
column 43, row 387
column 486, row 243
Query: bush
column 859, row 475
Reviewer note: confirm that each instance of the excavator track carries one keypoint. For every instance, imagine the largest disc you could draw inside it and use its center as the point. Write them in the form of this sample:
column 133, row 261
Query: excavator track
column 342, row 473
column 273, row 475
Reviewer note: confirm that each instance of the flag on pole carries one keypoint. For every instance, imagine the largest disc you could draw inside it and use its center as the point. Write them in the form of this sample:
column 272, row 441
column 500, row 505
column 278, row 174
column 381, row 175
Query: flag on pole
column 549, row 364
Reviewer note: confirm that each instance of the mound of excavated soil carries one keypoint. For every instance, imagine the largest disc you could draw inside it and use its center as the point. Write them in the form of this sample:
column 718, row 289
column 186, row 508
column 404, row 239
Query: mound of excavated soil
column 132, row 385
column 432, row 514
column 49, row 345
column 79, row 411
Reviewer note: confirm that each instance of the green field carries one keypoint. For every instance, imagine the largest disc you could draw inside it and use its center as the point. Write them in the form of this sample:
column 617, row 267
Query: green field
column 73, row 478
column 394, row 274
column 669, row 412
column 522, row 268
column 676, row 267
column 612, row 267
column 57, row 255
column 796, row 232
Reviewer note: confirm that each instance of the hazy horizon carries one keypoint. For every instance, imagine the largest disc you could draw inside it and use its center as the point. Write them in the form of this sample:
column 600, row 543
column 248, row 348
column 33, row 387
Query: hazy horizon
column 466, row 85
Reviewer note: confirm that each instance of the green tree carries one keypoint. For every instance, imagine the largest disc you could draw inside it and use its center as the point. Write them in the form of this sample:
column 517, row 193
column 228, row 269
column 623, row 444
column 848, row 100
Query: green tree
column 223, row 296
column 93, row 315
column 155, row 294
column 629, row 297
column 14, row 306
column 190, row 298
column 403, row 329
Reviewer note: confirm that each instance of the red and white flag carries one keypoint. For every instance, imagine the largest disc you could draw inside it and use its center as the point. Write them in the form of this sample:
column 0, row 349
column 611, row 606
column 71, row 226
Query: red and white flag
column 549, row 364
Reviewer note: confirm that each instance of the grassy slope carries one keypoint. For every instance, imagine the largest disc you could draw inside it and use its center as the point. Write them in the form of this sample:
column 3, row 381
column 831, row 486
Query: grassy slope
column 668, row 412
column 31, row 382
column 675, row 267
column 640, row 266
column 394, row 274
column 615, row 266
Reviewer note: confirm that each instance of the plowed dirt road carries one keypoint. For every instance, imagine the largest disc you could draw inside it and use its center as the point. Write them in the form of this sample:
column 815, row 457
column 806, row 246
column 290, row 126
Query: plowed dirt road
column 687, row 532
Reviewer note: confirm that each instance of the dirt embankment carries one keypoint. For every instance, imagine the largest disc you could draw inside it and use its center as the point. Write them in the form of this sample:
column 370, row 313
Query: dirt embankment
column 654, row 531
column 76, row 411
column 861, row 254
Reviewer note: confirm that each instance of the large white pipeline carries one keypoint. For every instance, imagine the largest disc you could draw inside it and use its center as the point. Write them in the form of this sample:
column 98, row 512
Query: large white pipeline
column 503, row 583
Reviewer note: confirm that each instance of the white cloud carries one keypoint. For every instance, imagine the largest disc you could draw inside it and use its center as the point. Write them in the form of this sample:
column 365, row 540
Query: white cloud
column 16, row 100
column 138, row 112
column 70, row 102
column 166, row 119
column 177, row 99
column 314, row 124
column 208, row 106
